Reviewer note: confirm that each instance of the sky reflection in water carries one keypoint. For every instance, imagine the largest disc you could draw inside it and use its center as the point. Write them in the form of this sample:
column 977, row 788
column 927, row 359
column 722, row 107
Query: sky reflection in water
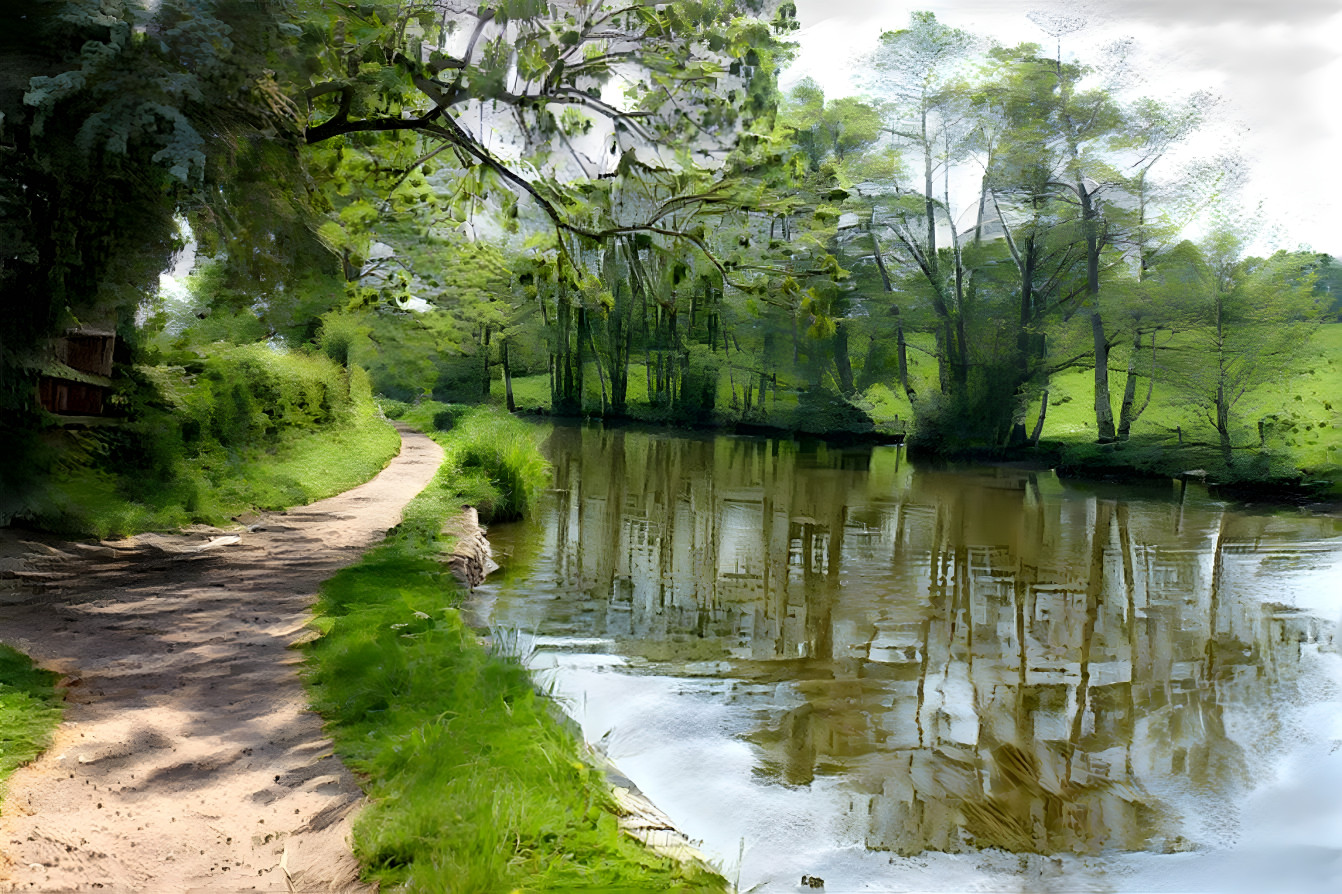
column 830, row 662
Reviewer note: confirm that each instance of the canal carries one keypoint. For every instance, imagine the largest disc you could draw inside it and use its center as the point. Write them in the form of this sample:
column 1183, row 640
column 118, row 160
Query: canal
column 832, row 662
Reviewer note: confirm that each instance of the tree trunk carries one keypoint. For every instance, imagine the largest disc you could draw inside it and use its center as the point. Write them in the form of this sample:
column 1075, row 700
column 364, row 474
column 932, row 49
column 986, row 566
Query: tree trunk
column 1222, row 397
column 507, row 376
column 564, row 402
column 961, row 368
column 1129, row 413
column 675, row 367
column 902, row 360
column 580, row 360
column 1039, row 423
column 1104, row 406
column 841, row 359
column 484, row 366
column 618, row 329
column 1104, row 410
column 943, row 361
column 902, row 353
column 600, row 372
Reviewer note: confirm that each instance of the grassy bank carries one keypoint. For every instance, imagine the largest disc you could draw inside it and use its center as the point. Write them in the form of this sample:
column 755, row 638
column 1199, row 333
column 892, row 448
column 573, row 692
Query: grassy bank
column 247, row 428
column 1298, row 447
column 30, row 709
column 474, row 784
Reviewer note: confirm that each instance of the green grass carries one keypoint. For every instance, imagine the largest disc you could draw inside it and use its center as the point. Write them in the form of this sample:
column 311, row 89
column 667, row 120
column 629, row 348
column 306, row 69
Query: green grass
column 209, row 479
column 30, row 709
column 474, row 785
column 499, row 469
column 218, row 486
column 1303, row 408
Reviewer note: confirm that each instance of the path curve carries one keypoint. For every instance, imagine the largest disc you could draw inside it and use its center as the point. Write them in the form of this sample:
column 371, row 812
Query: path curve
column 188, row 759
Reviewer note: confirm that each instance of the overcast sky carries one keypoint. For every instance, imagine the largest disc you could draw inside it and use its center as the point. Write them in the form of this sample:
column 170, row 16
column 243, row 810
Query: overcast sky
column 1276, row 65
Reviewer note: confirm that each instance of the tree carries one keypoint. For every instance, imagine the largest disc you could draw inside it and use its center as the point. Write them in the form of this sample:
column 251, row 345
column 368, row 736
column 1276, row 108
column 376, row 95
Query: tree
column 1149, row 230
column 112, row 119
column 917, row 68
column 540, row 76
column 1246, row 319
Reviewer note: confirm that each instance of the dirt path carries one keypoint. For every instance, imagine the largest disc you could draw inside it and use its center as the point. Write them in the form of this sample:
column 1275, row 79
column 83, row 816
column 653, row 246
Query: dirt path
column 188, row 760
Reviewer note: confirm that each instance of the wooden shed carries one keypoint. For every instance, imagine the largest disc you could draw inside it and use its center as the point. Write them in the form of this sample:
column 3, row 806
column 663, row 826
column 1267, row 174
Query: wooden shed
column 76, row 381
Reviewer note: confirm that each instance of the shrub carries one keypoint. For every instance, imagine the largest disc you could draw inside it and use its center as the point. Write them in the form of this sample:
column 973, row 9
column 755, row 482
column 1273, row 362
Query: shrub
column 215, row 438
column 338, row 336
column 392, row 409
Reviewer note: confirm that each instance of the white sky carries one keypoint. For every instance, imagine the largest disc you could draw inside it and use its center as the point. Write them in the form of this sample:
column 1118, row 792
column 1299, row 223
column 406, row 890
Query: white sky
column 1276, row 65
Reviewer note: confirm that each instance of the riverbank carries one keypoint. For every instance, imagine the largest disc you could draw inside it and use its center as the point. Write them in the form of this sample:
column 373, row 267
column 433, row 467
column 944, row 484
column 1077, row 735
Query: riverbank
column 1262, row 479
column 1286, row 434
column 472, row 780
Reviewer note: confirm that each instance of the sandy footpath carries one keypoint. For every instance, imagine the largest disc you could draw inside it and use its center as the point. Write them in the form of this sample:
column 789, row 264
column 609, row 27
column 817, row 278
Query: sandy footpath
column 188, row 760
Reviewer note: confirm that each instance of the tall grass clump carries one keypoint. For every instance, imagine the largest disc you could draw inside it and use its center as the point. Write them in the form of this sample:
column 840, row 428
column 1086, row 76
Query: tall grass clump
column 30, row 709
column 506, row 450
column 474, row 785
column 501, row 471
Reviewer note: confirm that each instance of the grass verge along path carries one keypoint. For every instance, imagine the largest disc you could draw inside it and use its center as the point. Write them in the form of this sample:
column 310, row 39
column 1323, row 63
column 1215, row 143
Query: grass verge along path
column 30, row 709
column 474, row 785
column 258, row 431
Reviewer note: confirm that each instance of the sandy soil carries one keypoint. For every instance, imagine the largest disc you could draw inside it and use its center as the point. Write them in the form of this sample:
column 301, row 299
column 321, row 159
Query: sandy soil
column 188, row 760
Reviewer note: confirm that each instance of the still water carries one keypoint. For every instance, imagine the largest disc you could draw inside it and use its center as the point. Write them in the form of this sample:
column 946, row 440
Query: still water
column 835, row 663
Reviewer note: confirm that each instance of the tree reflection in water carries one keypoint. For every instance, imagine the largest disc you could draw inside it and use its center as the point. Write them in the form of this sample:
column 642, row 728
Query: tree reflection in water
column 984, row 658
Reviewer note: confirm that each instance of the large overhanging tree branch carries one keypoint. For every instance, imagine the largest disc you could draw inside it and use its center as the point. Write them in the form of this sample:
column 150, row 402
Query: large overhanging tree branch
column 651, row 78
column 448, row 129
column 656, row 73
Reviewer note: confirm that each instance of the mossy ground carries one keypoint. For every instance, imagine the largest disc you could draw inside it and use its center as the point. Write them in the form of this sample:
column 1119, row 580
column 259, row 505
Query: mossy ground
column 474, row 785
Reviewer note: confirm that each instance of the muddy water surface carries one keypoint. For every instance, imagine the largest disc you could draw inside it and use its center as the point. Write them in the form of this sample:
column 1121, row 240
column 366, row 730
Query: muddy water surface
column 833, row 663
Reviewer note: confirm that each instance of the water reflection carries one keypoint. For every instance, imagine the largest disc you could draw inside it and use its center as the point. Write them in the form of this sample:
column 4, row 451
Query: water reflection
column 954, row 659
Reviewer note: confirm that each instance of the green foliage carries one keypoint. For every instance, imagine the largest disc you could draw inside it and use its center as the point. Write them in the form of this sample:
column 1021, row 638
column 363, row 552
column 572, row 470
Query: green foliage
column 393, row 409
column 109, row 132
column 474, row 785
column 247, row 428
column 115, row 118
column 839, row 129
column 1301, row 438
column 338, row 337
column 498, row 454
column 30, row 709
